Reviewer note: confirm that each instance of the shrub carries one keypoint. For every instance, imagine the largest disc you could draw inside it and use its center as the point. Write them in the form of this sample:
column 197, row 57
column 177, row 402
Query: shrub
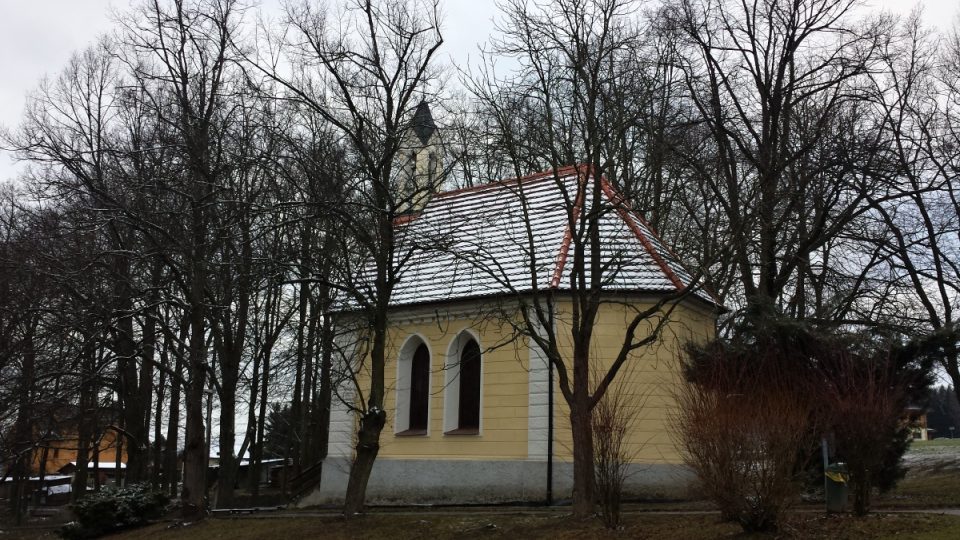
column 745, row 422
column 611, row 422
column 868, row 393
column 754, row 408
column 744, row 449
column 112, row 509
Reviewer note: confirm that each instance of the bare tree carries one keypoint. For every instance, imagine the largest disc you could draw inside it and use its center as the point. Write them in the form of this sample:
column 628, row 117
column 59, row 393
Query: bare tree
column 580, row 96
column 362, row 69
column 179, row 56
column 769, row 88
column 916, row 95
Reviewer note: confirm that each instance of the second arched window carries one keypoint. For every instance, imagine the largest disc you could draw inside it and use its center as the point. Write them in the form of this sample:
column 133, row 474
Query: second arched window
column 468, row 417
column 419, row 388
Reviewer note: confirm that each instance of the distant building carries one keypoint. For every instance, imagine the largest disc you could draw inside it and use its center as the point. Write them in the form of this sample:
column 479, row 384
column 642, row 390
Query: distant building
column 917, row 419
column 57, row 451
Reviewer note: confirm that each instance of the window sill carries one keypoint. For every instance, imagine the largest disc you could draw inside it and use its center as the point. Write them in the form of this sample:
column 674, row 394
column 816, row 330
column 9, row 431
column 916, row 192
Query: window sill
column 463, row 431
column 412, row 433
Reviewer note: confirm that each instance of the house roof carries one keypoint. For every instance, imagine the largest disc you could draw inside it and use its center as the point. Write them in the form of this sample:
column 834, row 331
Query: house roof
column 511, row 236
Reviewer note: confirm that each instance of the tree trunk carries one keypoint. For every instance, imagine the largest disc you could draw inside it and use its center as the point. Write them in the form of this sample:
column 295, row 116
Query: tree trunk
column 950, row 364
column 583, row 474
column 78, row 486
column 145, row 386
column 296, row 436
column 256, row 456
column 157, row 455
column 97, row 440
column 251, row 436
column 134, row 410
column 368, row 446
column 227, row 478
column 374, row 417
column 195, row 447
column 171, row 476
column 24, row 425
column 326, row 388
column 309, row 453
column 861, row 494
column 84, row 425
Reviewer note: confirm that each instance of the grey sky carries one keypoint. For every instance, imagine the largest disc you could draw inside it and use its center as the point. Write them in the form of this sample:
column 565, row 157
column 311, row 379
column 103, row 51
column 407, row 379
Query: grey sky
column 37, row 38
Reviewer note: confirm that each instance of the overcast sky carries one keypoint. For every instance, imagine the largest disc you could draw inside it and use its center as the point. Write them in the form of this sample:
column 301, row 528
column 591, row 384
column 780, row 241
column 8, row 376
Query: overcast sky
column 37, row 38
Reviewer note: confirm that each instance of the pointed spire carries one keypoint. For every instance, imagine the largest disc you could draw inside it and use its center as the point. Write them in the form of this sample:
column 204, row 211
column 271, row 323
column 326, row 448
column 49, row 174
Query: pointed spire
column 423, row 124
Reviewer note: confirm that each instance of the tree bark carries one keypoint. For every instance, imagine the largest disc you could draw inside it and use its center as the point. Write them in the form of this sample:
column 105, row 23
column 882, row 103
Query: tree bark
column 227, row 477
column 195, row 445
column 583, row 474
column 171, row 476
column 368, row 446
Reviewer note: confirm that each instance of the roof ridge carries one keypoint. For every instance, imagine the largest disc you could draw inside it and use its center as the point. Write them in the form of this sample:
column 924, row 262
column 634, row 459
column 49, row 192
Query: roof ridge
column 622, row 207
column 665, row 245
column 567, row 238
column 542, row 175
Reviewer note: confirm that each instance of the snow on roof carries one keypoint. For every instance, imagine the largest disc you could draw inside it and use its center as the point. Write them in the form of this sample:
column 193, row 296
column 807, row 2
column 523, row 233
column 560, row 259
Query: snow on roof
column 511, row 236
column 102, row 465
column 54, row 490
column 47, row 478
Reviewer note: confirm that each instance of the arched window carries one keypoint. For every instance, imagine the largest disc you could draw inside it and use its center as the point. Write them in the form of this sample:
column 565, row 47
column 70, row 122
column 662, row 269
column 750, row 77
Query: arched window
column 413, row 389
column 463, row 393
column 469, row 409
column 419, row 388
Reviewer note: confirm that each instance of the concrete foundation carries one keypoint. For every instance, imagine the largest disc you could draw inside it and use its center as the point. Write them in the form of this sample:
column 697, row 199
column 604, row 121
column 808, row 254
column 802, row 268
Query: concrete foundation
column 407, row 481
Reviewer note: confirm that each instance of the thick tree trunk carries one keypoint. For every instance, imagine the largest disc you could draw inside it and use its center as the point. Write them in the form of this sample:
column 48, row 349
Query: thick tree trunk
column 85, row 428
column 23, row 427
column 145, row 387
column 97, row 439
column 861, row 494
column 195, row 444
column 157, row 455
column 297, row 407
column 78, row 486
column 368, row 446
column 134, row 409
column 256, row 456
column 171, row 476
column 227, row 478
column 583, row 473
column 251, row 436
column 309, row 451
column 326, row 388
column 952, row 366
column 234, row 338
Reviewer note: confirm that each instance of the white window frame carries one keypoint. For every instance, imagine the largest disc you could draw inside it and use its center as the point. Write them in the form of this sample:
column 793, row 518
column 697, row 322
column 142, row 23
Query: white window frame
column 404, row 383
column 451, row 380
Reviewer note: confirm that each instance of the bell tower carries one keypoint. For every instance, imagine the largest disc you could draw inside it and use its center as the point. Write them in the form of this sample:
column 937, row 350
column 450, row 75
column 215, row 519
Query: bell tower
column 420, row 159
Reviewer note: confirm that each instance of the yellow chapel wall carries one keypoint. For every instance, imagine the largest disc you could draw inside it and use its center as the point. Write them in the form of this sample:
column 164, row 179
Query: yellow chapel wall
column 504, row 388
column 647, row 381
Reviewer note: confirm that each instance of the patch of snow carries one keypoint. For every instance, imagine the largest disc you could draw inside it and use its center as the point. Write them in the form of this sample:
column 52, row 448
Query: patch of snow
column 53, row 490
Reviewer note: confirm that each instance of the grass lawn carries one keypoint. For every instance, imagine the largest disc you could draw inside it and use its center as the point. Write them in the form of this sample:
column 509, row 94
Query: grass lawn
column 933, row 481
column 554, row 526
column 933, row 489
column 933, row 477
column 935, row 445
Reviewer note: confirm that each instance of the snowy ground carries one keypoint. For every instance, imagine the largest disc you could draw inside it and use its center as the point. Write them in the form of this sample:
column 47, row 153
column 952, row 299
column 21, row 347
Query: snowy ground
column 936, row 455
